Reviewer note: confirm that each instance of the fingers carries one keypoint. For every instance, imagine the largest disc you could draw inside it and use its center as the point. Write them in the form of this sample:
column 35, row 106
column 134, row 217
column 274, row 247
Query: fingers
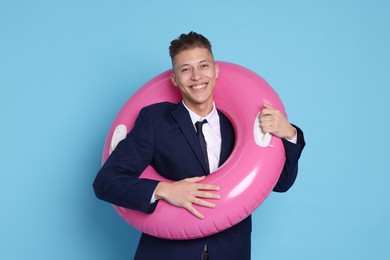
column 187, row 192
column 200, row 192
column 269, row 119
column 269, row 123
column 194, row 212
column 275, row 122
column 207, row 187
column 189, row 206
column 207, row 195
column 268, row 110
column 195, row 179
column 201, row 186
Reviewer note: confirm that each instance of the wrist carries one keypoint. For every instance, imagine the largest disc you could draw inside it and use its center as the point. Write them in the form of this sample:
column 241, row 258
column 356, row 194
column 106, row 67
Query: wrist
column 159, row 192
column 292, row 133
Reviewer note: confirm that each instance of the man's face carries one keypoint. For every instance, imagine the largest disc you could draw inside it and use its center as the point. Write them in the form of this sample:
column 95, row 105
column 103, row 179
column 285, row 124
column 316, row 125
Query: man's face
column 195, row 73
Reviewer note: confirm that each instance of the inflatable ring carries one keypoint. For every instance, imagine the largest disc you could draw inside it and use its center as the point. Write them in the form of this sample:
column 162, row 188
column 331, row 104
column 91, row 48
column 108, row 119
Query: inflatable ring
column 245, row 179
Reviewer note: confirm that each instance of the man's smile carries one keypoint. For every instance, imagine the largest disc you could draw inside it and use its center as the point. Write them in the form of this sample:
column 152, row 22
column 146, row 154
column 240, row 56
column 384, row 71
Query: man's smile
column 199, row 87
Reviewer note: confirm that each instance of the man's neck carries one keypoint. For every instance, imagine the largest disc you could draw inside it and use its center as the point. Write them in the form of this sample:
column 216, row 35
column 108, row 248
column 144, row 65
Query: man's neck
column 201, row 111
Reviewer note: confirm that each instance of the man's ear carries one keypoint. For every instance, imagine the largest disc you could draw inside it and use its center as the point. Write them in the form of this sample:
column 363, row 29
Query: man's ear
column 173, row 79
column 216, row 70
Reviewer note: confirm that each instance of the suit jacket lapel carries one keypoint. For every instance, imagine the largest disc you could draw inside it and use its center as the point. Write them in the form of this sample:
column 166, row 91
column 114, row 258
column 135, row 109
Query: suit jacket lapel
column 180, row 114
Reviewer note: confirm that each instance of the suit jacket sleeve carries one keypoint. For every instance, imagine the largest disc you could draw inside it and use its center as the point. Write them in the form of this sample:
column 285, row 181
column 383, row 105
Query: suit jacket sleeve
column 290, row 169
column 117, row 181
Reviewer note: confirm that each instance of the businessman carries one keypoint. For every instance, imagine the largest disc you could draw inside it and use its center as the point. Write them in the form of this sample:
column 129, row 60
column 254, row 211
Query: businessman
column 170, row 138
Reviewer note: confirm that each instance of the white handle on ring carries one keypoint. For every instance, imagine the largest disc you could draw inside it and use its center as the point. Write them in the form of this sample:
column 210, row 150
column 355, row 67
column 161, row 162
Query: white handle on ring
column 262, row 139
column 119, row 134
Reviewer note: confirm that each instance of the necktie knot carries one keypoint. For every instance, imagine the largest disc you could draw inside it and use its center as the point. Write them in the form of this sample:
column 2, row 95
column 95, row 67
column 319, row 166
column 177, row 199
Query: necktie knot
column 199, row 125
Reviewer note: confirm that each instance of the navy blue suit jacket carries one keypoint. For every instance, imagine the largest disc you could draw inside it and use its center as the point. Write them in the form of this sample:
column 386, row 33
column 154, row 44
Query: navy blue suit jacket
column 164, row 137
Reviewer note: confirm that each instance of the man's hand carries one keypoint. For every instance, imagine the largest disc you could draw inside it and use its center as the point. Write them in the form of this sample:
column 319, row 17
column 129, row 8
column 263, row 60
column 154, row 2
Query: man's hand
column 186, row 192
column 274, row 122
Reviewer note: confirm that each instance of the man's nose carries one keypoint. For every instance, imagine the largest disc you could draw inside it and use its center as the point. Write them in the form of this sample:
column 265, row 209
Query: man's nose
column 195, row 75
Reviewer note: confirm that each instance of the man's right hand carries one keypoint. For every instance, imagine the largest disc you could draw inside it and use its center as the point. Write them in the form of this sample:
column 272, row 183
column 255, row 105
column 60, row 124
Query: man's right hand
column 186, row 192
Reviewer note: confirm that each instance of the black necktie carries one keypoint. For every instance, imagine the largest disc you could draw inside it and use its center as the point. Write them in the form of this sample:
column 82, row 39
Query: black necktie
column 202, row 142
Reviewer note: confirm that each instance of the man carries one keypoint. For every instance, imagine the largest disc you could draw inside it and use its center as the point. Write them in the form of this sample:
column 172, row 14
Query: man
column 160, row 138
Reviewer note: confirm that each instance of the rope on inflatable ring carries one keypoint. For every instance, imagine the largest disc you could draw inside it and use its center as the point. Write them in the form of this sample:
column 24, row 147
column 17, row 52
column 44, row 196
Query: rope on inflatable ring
column 245, row 179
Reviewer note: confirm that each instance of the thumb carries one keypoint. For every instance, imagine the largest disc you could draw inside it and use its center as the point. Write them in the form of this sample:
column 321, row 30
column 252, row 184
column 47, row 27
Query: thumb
column 266, row 105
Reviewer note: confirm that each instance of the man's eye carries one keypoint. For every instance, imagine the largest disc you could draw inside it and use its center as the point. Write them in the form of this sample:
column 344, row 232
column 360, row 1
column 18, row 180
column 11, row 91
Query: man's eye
column 204, row 66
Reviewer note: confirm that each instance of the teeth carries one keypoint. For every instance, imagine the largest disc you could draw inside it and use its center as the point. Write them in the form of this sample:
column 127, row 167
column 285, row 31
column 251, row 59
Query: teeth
column 198, row 86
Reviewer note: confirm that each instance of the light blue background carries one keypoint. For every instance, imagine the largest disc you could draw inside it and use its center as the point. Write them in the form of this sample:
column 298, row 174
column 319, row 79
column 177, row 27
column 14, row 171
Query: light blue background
column 67, row 67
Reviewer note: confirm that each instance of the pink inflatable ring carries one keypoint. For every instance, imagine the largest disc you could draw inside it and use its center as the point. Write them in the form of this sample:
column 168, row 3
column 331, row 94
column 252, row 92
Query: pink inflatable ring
column 246, row 178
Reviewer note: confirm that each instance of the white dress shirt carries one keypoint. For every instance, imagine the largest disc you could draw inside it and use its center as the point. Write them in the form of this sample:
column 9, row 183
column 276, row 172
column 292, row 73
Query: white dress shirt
column 212, row 135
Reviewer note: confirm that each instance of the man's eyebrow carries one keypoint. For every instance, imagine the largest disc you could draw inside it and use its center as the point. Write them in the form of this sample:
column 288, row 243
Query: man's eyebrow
column 202, row 61
column 184, row 65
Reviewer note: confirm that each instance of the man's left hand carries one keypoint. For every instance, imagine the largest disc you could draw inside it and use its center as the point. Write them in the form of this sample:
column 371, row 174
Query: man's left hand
column 274, row 122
